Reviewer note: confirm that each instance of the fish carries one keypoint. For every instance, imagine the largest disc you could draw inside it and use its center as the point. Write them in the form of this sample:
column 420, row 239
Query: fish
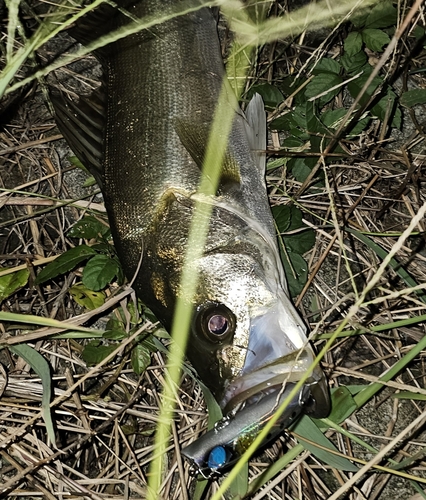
column 143, row 134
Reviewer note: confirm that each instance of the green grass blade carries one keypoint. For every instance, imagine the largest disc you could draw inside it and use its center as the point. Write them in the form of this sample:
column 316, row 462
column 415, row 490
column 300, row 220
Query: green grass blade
column 41, row 367
column 40, row 321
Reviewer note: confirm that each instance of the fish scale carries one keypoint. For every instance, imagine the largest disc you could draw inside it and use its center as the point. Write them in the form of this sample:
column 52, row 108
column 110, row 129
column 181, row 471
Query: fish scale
column 144, row 137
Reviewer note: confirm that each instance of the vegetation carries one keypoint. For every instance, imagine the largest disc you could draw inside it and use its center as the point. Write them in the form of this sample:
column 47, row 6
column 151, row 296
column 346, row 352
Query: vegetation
column 345, row 174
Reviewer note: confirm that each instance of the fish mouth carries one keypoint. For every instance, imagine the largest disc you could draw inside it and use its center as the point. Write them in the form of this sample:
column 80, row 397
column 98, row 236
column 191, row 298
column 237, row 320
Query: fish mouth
column 250, row 388
column 250, row 402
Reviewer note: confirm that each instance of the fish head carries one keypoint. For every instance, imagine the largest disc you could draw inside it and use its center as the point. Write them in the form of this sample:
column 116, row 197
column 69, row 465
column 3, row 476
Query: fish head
column 247, row 339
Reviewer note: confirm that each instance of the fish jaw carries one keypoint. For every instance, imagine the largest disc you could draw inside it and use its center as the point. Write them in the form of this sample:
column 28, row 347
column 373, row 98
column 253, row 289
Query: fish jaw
column 278, row 354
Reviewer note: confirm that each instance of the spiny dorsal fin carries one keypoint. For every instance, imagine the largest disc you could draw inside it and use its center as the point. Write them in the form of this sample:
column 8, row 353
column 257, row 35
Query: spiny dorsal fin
column 194, row 138
column 82, row 124
column 255, row 126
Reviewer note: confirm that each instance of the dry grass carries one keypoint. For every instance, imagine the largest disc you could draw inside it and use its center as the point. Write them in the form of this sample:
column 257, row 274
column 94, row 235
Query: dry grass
column 105, row 416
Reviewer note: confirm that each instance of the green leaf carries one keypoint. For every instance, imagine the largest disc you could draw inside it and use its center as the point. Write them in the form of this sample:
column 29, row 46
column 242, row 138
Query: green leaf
column 297, row 118
column 343, row 404
column 353, row 43
column 296, row 271
column 89, row 227
column 355, row 87
column 12, row 282
column 87, row 298
column 114, row 334
column 65, row 263
column 359, row 127
column 375, row 39
column 99, row 271
column 41, row 368
column 382, row 15
column 95, row 352
column 332, row 117
column 301, row 242
column 299, row 168
column 326, row 65
column 413, row 97
column 409, row 395
column 282, row 216
column 292, row 142
column 271, row 95
column 306, row 427
column 141, row 359
column 322, row 83
column 353, row 64
column 77, row 163
column 89, row 182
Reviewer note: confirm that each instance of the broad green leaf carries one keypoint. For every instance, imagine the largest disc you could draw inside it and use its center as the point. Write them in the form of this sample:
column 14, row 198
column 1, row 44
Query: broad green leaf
column 95, row 352
column 65, row 263
column 354, row 64
column 300, row 242
column 89, row 227
column 10, row 283
column 332, row 117
column 418, row 32
column 322, row 83
column 299, row 168
column 326, row 65
column 271, row 95
column 297, row 117
column 413, row 97
column 87, row 298
column 382, row 15
column 314, row 125
column 114, row 334
column 308, row 429
column 41, row 368
column 359, row 126
column 375, row 39
column 296, row 271
column 114, row 329
column 99, row 271
column 282, row 216
column 353, row 43
column 140, row 359
column 293, row 142
column 355, row 87
column 343, row 404
column 285, row 122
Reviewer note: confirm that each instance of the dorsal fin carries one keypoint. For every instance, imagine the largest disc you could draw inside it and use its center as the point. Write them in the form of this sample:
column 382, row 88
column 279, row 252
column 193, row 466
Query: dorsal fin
column 194, row 138
column 82, row 124
column 255, row 125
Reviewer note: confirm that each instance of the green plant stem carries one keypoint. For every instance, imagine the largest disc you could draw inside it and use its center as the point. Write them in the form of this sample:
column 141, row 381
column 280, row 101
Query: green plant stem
column 181, row 323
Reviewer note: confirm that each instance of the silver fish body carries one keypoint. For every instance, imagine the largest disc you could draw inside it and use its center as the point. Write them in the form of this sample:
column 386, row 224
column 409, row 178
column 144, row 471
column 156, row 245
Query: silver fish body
column 144, row 137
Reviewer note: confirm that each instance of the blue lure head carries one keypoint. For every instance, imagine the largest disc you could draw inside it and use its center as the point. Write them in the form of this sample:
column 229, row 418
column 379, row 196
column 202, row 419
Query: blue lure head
column 219, row 458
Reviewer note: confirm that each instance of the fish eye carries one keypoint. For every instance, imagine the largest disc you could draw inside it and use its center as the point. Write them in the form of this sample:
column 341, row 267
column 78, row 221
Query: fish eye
column 215, row 321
